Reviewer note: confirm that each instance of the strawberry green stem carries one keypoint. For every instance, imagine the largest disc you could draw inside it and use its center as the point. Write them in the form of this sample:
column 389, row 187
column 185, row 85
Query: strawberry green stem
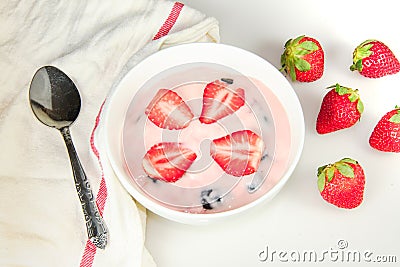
column 292, row 58
column 362, row 51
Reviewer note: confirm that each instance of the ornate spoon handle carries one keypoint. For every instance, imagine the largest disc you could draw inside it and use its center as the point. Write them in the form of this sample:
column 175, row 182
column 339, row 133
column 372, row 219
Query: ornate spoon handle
column 95, row 225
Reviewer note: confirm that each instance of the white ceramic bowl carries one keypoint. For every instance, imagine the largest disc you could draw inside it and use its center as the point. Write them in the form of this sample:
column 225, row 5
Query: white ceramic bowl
column 269, row 98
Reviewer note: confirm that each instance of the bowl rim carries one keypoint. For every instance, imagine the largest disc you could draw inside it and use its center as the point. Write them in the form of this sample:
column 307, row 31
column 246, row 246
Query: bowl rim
column 187, row 54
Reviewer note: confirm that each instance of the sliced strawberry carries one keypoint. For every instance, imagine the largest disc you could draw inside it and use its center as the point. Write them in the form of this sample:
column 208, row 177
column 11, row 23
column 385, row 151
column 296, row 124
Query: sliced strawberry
column 167, row 110
column 168, row 161
column 239, row 153
column 219, row 101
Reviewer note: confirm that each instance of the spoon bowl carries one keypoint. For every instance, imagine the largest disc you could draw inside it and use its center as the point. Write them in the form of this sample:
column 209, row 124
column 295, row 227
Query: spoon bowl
column 56, row 102
column 54, row 98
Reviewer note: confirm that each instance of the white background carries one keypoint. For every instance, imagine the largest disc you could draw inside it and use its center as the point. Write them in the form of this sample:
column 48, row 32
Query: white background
column 298, row 219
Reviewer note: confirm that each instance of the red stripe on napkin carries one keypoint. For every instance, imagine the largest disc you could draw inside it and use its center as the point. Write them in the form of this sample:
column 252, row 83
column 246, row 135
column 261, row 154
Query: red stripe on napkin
column 90, row 248
column 102, row 194
column 172, row 17
column 88, row 255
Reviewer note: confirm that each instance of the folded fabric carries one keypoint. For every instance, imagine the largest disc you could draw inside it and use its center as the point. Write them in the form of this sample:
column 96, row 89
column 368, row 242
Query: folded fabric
column 95, row 43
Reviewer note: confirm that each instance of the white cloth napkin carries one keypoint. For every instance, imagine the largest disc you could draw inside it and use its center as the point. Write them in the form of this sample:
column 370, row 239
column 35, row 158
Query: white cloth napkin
column 95, row 43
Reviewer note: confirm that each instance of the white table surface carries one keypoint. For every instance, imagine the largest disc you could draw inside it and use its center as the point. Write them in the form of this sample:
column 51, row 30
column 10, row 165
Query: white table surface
column 298, row 220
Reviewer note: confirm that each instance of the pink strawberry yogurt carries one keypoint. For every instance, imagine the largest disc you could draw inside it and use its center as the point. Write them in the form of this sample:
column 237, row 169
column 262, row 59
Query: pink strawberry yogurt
column 205, row 187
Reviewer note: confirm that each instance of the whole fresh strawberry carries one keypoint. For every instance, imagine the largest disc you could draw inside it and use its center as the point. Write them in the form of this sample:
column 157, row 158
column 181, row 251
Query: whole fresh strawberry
column 373, row 59
column 341, row 108
column 342, row 183
column 168, row 161
column 386, row 134
column 303, row 59
column 239, row 153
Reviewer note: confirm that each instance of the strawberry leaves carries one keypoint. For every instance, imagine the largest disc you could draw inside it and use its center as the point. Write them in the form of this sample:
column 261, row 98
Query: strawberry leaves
column 386, row 134
column 326, row 173
column 345, row 169
column 342, row 183
column 300, row 50
column 374, row 59
column 308, row 46
column 341, row 108
column 298, row 57
column 361, row 52
column 396, row 117
column 353, row 95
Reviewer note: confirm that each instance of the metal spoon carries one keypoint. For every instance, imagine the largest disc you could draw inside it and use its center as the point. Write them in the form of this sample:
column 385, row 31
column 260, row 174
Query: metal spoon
column 56, row 102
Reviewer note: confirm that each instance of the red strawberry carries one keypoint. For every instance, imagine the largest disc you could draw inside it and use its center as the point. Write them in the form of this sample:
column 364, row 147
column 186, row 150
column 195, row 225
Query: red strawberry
column 341, row 108
column 167, row 110
column 342, row 183
column 303, row 59
column 386, row 135
column 219, row 101
column 168, row 161
column 373, row 59
column 239, row 153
